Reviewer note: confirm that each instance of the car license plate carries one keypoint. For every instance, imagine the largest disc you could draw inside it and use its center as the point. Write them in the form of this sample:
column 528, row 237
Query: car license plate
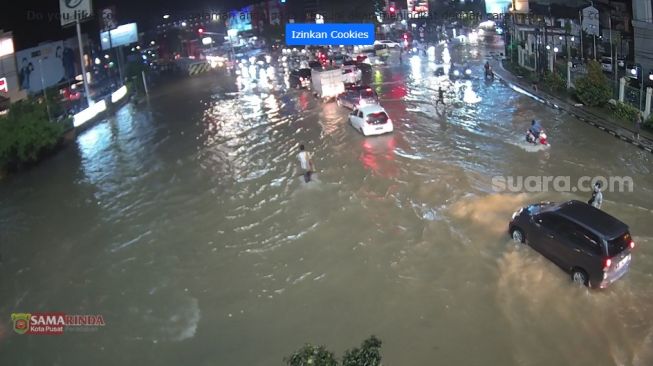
column 379, row 128
column 623, row 262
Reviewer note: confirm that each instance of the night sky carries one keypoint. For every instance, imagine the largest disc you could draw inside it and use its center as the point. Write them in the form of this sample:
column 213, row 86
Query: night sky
column 33, row 22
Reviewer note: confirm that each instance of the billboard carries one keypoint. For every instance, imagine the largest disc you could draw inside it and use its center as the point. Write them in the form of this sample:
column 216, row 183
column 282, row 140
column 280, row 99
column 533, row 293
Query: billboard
column 240, row 20
column 417, row 6
column 71, row 11
column 45, row 65
column 498, row 6
column 590, row 21
column 108, row 19
column 122, row 35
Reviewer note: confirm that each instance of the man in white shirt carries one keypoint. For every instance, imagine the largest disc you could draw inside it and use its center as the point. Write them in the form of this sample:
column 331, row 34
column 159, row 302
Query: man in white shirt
column 306, row 163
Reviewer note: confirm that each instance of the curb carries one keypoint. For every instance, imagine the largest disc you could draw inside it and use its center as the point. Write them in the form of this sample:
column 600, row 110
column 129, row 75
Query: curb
column 553, row 105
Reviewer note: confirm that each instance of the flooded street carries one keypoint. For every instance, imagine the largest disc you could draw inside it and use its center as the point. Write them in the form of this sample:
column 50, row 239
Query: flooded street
column 185, row 222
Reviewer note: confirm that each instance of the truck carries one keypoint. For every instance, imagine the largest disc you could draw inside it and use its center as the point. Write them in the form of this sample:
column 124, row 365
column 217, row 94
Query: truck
column 327, row 82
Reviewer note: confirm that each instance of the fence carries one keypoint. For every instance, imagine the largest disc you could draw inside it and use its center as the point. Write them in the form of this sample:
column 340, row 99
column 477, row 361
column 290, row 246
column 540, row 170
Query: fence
column 632, row 96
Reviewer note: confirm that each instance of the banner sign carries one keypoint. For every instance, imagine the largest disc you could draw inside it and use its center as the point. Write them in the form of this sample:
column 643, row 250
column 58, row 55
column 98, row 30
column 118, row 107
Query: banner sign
column 70, row 11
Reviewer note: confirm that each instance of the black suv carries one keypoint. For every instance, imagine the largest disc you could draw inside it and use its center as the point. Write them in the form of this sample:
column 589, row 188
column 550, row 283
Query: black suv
column 584, row 241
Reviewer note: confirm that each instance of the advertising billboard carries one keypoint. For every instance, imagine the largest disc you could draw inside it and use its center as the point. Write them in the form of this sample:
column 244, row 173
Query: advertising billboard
column 45, row 65
column 71, row 11
column 418, row 6
column 123, row 35
column 240, row 20
column 498, row 6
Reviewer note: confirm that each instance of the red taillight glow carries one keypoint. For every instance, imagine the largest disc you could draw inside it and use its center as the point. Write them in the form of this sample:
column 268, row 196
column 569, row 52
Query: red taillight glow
column 607, row 263
column 632, row 244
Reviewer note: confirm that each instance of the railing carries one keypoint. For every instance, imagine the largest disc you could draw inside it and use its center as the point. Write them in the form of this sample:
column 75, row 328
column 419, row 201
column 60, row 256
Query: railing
column 632, row 96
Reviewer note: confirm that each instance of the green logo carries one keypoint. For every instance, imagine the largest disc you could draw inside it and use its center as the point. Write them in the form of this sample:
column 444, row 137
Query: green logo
column 21, row 322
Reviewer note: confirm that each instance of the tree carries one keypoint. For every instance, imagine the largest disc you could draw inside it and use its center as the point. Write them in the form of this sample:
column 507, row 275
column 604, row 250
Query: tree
column 593, row 89
column 368, row 355
column 310, row 355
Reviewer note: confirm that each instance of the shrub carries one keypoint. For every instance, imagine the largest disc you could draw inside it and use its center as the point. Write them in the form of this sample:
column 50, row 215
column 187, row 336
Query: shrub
column 554, row 82
column 593, row 89
column 624, row 111
column 648, row 124
column 26, row 134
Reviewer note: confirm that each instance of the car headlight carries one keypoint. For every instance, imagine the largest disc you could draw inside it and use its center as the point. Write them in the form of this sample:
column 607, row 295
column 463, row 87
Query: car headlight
column 456, row 72
column 468, row 72
column 517, row 213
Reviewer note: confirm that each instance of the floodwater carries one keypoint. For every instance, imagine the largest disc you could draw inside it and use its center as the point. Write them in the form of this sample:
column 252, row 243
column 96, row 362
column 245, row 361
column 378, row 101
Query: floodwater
column 185, row 223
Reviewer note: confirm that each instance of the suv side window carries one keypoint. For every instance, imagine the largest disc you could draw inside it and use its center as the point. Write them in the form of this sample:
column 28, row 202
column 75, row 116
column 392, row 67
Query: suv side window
column 586, row 240
column 549, row 221
column 360, row 114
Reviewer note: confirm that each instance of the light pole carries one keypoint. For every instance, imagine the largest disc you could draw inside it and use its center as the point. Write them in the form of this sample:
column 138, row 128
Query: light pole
column 45, row 96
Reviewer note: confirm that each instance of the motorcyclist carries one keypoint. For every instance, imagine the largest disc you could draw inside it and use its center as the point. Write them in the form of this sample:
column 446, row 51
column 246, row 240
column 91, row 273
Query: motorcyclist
column 535, row 129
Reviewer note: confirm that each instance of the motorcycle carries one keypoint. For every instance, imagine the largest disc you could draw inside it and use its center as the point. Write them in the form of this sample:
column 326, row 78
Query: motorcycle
column 489, row 74
column 540, row 140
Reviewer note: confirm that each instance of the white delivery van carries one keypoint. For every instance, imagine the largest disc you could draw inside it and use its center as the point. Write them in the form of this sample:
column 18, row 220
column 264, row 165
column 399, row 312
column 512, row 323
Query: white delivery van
column 327, row 83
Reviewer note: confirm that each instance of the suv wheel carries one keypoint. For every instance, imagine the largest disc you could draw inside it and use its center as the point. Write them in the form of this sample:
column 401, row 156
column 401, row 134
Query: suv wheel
column 518, row 236
column 579, row 277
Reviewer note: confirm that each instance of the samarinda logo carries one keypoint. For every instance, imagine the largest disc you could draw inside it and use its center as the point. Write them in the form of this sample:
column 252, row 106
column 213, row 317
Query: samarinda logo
column 21, row 322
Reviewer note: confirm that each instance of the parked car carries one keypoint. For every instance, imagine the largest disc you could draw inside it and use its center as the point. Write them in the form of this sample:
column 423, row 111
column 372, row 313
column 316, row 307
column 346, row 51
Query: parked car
column 371, row 120
column 606, row 64
column 357, row 96
column 300, row 78
column 591, row 245
column 387, row 42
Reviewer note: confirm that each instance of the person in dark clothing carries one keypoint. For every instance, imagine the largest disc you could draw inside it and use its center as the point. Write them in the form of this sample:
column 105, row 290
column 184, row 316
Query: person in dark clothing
column 440, row 96
column 535, row 129
column 638, row 125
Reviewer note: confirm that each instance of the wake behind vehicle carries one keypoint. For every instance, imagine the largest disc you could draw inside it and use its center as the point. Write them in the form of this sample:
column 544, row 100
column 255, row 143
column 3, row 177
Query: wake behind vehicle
column 357, row 96
column 591, row 245
column 371, row 120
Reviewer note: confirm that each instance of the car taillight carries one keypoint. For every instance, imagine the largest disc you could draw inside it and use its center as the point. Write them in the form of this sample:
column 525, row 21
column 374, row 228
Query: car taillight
column 389, row 120
column 607, row 263
column 632, row 244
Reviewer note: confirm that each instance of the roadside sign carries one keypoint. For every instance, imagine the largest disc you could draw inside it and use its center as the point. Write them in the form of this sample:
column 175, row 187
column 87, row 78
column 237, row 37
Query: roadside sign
column 590, row 21
column 71, row 11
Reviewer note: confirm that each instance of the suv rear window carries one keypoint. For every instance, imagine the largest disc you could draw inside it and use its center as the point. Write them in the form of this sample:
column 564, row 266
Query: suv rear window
column 378, row 118
column 367, row 93
column 618, row 244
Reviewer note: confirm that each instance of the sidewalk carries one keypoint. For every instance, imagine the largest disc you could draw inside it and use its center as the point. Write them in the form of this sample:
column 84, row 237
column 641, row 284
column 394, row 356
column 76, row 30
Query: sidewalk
column 588, row 115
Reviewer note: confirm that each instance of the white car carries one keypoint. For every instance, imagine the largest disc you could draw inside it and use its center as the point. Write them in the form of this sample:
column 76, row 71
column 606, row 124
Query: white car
column 387, row 42
column 371, row 120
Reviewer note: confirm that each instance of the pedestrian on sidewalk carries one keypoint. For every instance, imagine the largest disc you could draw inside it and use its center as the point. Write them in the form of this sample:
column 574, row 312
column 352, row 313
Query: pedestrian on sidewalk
column 638, row 124
column 306, row 163
column 597, row 196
